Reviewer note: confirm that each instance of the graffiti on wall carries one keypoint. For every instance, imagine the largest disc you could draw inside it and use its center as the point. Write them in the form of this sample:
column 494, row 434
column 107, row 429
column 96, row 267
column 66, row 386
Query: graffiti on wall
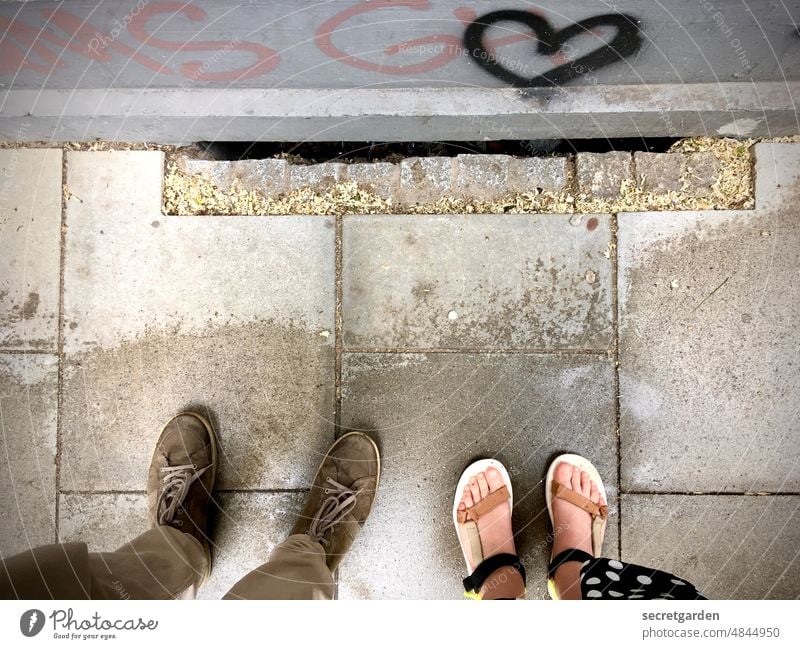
column 30, row 47
column 52, row 39
column 552, row 42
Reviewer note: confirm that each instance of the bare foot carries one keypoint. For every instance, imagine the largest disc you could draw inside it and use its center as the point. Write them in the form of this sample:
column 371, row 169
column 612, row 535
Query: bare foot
column 496, row 535
column 572, row 527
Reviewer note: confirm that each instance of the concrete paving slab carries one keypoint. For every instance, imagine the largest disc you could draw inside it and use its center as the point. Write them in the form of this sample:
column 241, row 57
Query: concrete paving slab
column 268, row 390
column 432, row 414
column 477, row 281
column 30, row 248
column 104, row 522
column 232, row 315
column 245, row 528
column 730, row 547
column 248, row 526
column 709, row 356
column 28, row 402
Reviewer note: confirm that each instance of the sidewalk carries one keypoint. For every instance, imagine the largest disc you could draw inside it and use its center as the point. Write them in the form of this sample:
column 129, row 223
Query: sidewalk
column 663, row 345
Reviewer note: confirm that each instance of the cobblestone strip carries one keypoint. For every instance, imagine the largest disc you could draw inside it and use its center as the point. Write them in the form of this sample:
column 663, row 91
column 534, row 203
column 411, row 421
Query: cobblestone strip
column 617, row 181
column 412, row 181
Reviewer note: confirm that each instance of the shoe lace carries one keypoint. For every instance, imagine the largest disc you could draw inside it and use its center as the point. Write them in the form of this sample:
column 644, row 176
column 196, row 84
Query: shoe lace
column 175, row 485
column 340, row 501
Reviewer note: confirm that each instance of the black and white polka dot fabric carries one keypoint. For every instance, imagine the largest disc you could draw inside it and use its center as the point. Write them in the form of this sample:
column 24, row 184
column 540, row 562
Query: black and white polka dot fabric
column 611, row 579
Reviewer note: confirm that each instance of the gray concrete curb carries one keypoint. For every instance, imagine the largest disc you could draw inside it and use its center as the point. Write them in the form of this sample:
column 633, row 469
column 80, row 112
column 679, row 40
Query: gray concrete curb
column 180, row 116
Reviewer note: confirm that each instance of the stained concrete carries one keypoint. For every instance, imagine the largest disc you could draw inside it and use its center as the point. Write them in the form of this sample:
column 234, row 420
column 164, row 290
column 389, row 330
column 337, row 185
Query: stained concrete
column 730, row 547
column 30, row 240
column 513, row 281
column 268, row 390
column 247, row 527
column 433, row 414
column 104, row 522
column 709, row 358
column 233, row 315
column 28, row 402
column 131, row 270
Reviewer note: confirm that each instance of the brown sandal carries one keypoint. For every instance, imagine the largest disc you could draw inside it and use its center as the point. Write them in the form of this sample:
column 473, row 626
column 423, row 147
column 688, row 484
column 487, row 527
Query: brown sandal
column 599, row 513
column 466, row 522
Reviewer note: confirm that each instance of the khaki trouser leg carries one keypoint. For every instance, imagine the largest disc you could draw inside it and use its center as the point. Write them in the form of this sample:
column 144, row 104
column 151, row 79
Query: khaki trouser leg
column 296, row 570
column 162, row 563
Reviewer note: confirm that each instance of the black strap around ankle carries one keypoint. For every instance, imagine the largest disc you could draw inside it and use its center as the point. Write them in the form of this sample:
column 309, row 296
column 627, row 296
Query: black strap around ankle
column 566, row 556
column 475, row 581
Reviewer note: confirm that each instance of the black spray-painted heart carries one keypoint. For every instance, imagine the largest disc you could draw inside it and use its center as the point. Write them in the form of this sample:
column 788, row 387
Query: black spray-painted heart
column 626, row 42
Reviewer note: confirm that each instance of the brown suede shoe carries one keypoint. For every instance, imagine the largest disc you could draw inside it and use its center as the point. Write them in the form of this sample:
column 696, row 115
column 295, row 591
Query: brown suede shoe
column 341, row 496
column 182, row 475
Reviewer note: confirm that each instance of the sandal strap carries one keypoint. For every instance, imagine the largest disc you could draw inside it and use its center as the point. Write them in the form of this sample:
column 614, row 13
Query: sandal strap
column 579, row 500
column 486, row 505
column 475, row 581
column 566, row 556
column 470, row 534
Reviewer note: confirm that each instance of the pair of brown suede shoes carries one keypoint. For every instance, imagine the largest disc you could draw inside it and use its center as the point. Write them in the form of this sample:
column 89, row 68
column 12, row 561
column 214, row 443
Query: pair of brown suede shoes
column 183, row 471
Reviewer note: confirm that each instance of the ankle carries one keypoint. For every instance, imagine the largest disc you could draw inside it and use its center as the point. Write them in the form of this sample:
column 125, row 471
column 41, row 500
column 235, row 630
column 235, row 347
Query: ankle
column 503, row 583
column 568, row 580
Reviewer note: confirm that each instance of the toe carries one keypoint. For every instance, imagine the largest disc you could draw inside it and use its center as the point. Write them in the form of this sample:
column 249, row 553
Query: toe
column 594, row 494
column 576, row 479
column 563, row 474
column 467, row 498
column 586, row 483
column 475, row 490
column 483, row 485
column 494, row 478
